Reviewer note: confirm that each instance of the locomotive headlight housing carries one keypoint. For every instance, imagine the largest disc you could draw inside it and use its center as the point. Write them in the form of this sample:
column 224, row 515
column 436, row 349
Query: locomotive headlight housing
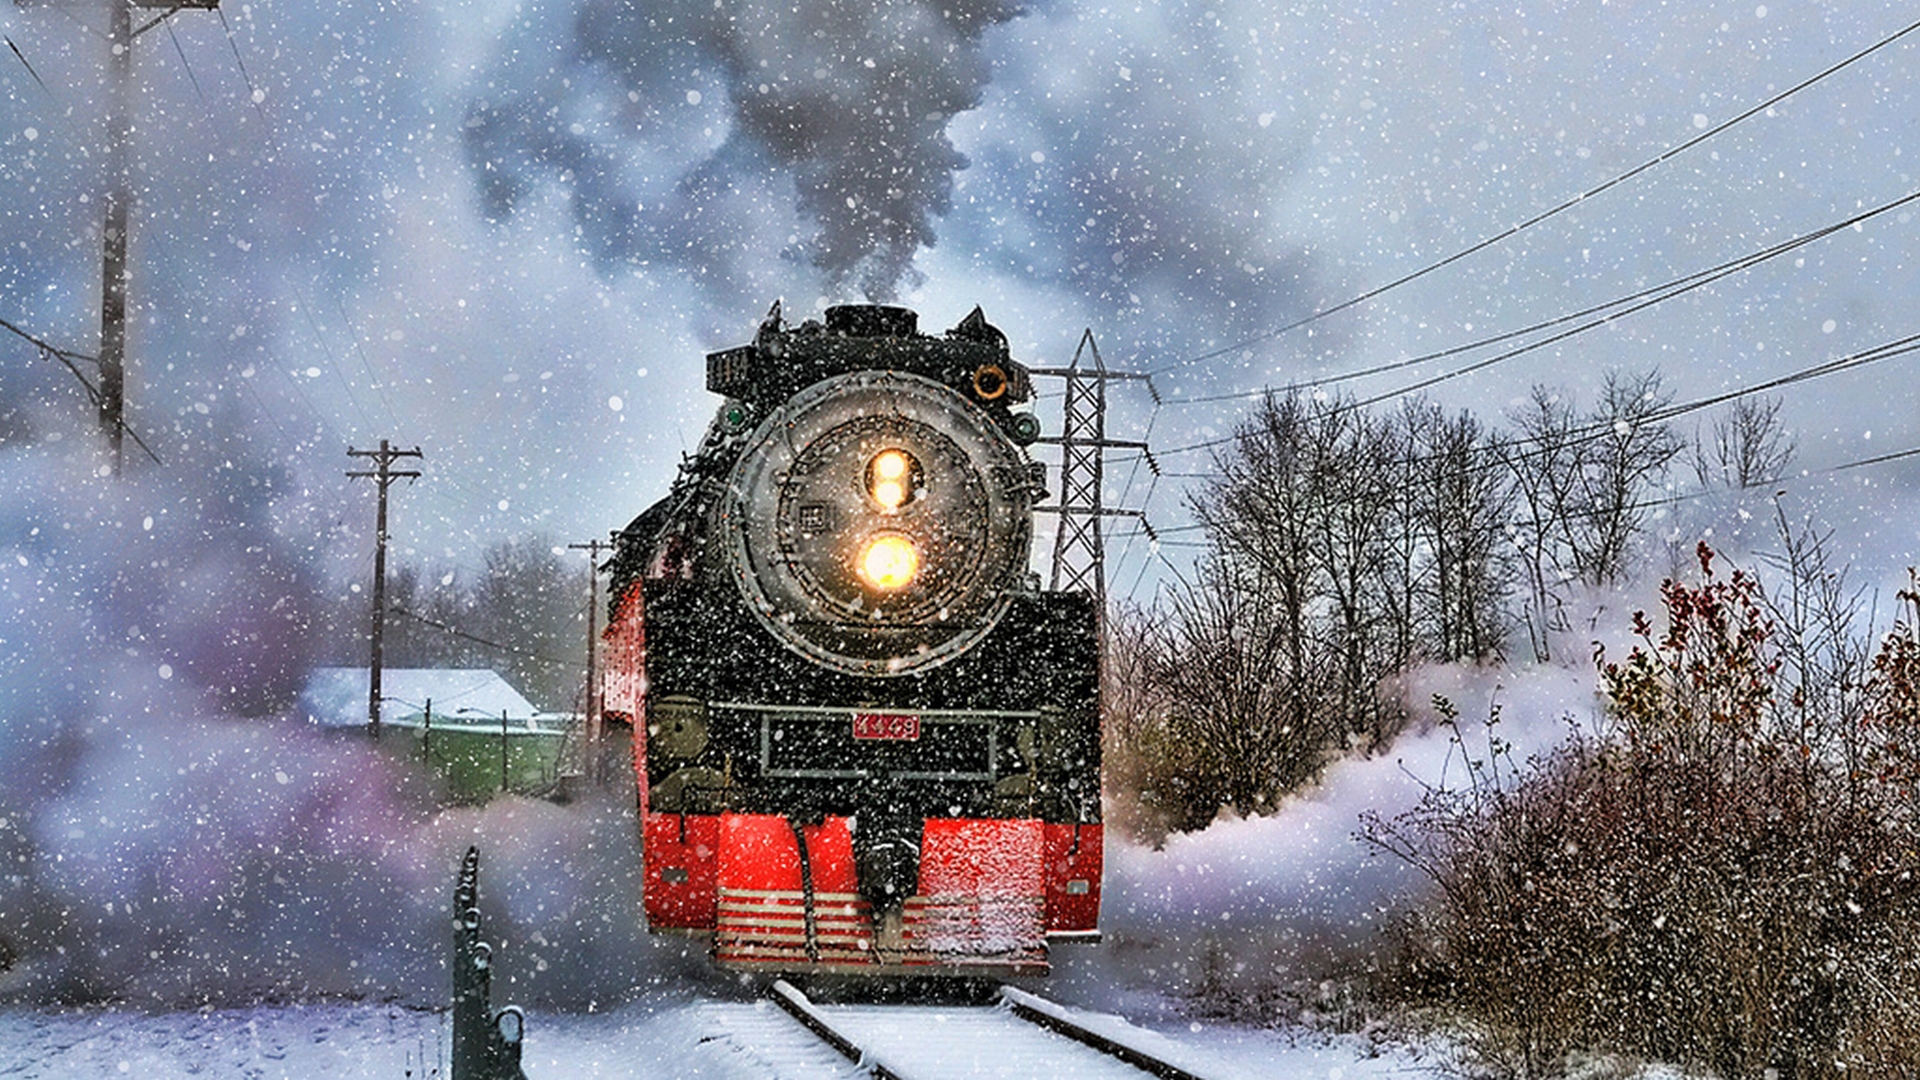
column 889, row 562
column 878, row 522
column 894, row 477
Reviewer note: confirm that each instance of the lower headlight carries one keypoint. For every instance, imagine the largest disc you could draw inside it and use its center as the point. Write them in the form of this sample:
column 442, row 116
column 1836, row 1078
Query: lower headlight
column 889, row 562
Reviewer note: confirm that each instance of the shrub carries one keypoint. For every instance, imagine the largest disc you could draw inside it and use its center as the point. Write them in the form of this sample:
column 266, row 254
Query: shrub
column 1692, row 887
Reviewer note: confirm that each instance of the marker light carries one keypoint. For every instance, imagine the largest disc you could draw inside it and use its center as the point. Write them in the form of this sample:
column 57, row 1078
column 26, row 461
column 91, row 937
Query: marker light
column 889, row 562
column 892, row 476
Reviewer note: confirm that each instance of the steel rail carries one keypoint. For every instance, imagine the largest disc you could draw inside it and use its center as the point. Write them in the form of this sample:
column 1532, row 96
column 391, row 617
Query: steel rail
column 1014, row 1002
column 800, row 1008
column 1038, row 1010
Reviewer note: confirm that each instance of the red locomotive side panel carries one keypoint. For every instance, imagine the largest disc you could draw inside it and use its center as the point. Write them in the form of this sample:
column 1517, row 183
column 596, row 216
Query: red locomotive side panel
column 1074, row 859
column 623, row 678
column 778, row 913
column 758, row 852
column 680, row 856
column 623, row 674
column 983, row 893
column 983, row 857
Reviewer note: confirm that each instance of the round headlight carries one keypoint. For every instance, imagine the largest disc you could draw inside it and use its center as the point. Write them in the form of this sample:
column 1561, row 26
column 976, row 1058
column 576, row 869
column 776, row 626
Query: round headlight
column 889, row 562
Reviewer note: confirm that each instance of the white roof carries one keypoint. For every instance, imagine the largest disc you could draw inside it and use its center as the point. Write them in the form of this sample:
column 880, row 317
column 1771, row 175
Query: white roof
column 337, row 696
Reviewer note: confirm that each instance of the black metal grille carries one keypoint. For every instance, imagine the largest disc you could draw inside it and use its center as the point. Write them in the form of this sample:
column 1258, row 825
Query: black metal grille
column 819, row 744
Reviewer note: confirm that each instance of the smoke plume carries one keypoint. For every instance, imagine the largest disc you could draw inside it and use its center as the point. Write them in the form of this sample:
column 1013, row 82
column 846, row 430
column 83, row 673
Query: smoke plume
column 848, row 100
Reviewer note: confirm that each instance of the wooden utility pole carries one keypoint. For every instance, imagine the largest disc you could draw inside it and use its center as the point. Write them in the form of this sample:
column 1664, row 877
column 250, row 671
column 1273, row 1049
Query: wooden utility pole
column 117, row 209
column 383, row 474
column 113, row 261
column 595, row 729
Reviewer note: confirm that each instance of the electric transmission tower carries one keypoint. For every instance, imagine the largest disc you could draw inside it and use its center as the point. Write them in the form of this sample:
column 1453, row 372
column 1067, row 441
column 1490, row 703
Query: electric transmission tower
column 1079, row 550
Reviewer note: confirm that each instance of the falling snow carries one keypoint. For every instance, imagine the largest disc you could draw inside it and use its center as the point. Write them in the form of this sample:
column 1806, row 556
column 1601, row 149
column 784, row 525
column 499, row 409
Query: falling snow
column 362, row 225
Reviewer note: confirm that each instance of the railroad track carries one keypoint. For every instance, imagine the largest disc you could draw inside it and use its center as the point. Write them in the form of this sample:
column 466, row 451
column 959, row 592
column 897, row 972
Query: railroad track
column 1021, row 1036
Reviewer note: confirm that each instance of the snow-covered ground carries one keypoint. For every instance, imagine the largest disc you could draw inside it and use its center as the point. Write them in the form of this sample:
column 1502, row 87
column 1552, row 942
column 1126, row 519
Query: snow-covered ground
column 668, row 1035
column 1242, row 907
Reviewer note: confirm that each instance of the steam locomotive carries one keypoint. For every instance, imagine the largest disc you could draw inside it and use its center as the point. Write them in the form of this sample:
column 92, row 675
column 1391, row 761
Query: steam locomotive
column 866, row 739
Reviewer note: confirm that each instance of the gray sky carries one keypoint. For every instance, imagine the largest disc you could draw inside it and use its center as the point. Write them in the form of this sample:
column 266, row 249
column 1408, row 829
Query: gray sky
column 507, row 232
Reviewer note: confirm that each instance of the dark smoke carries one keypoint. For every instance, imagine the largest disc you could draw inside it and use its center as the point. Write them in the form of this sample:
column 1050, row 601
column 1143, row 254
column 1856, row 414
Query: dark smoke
column 848, row 102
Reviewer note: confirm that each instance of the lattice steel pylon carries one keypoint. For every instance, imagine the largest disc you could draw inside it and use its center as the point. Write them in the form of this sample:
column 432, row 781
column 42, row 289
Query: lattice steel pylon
column 1079, row 551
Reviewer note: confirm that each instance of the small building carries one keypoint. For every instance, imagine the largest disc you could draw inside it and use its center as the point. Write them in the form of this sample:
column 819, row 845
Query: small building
column 477, row 732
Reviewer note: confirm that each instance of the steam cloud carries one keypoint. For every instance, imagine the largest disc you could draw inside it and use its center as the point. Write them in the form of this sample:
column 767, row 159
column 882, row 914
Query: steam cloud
column 1251, row 904
column 850, row 99
column 170, row 835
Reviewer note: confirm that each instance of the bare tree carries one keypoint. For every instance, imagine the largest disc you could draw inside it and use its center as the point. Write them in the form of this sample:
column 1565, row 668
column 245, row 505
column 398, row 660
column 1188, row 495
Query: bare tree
column 1151, row 781
column 1259, row 511
column 528, row 609
column 1583, row 486
column 1254, row 726
column 1353, row 552
column 1626, row 458
column 1746, row 448
column 1545, row 461
column 525, row 617
column 1460, row 501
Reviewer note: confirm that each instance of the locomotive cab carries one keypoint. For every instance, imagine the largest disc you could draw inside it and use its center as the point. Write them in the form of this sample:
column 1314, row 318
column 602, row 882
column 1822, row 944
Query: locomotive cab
column 869, row 742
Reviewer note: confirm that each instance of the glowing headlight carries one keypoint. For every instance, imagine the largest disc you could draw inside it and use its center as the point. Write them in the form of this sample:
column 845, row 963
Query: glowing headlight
column 889, row 562
column 892, row 476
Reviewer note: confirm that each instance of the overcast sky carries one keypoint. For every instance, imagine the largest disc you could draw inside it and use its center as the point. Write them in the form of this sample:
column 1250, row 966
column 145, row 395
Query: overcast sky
column 507, row 232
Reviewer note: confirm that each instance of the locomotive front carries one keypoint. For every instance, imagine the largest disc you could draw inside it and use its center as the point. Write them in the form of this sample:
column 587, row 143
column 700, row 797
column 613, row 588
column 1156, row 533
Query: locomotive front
column 866, row 740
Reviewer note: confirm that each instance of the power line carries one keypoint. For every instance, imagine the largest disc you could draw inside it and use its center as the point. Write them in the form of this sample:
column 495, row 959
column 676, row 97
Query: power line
column 23, row 63
column 191, row 77
column 333, row 364
column 66, row 358
column 1576, row 200
column 1885, row 351
column 1552, row 339
column 365, row 361
column 1878, row 460
column 1492, row 454
column 254, row 93
column 477, row 640
column 1645, row 297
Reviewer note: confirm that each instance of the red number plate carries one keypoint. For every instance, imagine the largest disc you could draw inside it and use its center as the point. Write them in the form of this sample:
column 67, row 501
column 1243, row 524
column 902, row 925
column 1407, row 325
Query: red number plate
column 868, row 725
